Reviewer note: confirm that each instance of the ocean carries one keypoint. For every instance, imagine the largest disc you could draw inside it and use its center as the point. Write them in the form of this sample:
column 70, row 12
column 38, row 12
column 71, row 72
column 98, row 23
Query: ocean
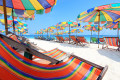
column 87, row 37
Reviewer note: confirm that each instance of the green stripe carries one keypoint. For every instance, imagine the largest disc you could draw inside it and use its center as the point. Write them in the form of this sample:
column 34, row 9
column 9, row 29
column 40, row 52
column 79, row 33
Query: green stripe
column 86, row 14
column 27, row 4
column 93, row 18
column 33, row 65
column 102, row 17
column 89, row 73
column 113, row 9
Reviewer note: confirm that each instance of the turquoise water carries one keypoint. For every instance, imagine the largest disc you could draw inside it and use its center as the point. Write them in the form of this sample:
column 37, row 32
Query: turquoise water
column 86, row 36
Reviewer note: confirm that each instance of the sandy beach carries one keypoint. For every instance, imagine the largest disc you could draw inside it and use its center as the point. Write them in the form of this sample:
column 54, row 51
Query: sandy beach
column 89, row 52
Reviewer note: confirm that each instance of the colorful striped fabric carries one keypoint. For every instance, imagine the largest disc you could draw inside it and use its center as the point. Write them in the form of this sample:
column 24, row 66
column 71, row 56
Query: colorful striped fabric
column 56, row 54
column 29, row 4
column 108, row 13
column 14, row 66
column 92, row 27
column 112, row 41
column 113, row 25
column 14, row 37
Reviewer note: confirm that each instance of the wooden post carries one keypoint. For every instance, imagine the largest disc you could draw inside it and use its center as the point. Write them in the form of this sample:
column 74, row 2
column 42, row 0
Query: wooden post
column 13, row 22
column 5, row 16
column 69, row 33
column 98, row 26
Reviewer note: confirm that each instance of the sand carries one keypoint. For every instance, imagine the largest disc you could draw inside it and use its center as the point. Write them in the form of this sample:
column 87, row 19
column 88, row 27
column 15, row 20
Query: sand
column 89, row 52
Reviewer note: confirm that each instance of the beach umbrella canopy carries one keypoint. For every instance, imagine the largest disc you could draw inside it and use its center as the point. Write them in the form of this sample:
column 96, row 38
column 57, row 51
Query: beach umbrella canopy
column 30, row 5
column 16, row 22
column 92, row 28
column 25, row 15
column 101, row 14
column 76, row 31
column 69, row 24
column 113, row 26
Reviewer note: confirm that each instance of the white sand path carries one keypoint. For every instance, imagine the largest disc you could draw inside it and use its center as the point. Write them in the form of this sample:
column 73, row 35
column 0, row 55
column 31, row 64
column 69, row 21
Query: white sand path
column 92, row 53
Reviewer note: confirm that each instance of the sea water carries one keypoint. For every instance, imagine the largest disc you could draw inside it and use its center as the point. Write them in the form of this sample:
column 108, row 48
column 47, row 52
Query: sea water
column 87, row 37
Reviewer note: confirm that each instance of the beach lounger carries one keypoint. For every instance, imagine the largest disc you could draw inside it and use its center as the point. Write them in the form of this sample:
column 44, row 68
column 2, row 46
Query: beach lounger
column 57, row 38
column 56, row 54
column 75, row 41
column 111, row 41
column 14, row 66
column 94, row 40
column 101, row 40
column 82, row 40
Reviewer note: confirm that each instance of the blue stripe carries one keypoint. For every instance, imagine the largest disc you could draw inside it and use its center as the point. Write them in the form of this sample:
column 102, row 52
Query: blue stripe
column 8, row 3
column 112, row 15
column 44, row 3
column 34, row 65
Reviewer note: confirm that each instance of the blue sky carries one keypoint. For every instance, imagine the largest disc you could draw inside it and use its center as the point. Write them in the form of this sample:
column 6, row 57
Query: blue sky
column 65, row 10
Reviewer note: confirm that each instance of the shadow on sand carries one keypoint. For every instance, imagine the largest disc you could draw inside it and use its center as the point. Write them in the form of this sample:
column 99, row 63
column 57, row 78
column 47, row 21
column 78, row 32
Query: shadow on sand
column 112, row 54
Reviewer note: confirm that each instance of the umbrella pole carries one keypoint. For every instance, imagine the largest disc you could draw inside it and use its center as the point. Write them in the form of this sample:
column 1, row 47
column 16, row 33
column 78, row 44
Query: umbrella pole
column 69, row 33
column 91, row 36
column 47, row 33
column 76, row 33
column 118, row 28
column 13, row 22
column 5, row 16
column 98, row 27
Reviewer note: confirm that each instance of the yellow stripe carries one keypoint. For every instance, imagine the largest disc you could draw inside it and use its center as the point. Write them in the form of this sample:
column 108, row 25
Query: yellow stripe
column 76, row 72
column 92, row 73
column 108, row 18
column 36, row 4
column 97, row 17
column 85, row 16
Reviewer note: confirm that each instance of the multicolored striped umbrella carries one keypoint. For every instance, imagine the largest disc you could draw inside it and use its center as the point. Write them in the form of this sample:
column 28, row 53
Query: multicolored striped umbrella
column 114, row 26
column 69, row 24
column 25, row 15
column 101, row 14
column 92, row 28
column 16, row 22
column 108, row 12
column 76, row 31
column 29, row 5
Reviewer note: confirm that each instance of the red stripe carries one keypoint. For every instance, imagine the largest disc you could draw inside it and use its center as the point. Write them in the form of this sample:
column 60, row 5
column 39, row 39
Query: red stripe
column 17, row 4
column 51, row 2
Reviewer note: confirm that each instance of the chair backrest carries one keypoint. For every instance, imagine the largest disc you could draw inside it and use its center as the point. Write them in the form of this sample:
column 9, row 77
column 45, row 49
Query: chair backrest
column 73, row 38
column 112, row 41
column 57, row 37
column 61, row 39
column 94, row 38
column 81, row 39
column 66, row 39
column 14, row 37
column 101, row 40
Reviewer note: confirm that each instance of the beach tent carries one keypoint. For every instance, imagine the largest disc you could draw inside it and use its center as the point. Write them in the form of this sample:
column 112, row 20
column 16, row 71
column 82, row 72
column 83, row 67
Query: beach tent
column 113, row 26
column 29, row 5
column 69, row 24
column 92, row 28
column 101, row 14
